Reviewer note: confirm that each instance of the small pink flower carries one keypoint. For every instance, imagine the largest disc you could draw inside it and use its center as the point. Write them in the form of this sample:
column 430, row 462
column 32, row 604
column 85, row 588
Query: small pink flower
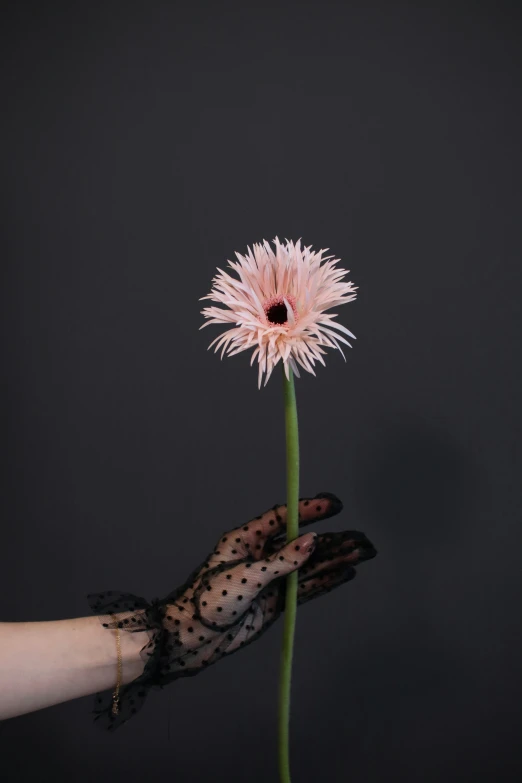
column 277, row 306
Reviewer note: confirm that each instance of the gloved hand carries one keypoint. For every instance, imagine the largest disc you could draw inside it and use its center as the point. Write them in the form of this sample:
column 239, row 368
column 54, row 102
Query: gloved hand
column 229, row 600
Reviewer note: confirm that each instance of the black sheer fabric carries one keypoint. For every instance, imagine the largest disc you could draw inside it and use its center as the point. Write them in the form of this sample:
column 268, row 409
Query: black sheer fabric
column 232, row 598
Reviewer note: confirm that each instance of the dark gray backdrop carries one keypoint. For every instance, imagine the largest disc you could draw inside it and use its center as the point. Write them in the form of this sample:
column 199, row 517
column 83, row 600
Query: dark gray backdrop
column 143, row 143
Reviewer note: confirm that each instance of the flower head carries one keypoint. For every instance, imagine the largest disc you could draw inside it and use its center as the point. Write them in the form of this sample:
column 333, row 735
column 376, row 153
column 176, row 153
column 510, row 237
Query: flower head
column 277, row 306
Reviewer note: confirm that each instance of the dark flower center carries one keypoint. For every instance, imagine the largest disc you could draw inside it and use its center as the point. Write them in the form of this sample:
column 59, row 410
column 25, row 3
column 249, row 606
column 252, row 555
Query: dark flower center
column 277, row 313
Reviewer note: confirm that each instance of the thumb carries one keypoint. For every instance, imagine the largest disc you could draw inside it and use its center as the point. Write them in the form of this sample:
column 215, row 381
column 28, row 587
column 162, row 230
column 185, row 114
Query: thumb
column 287, row 559
column 228, row 594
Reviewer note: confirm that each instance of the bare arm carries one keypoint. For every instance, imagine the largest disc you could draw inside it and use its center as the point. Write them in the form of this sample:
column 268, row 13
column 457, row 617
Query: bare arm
column 46, row 663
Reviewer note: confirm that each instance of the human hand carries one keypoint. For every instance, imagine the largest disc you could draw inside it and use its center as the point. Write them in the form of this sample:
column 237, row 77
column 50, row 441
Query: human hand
column 232, row 598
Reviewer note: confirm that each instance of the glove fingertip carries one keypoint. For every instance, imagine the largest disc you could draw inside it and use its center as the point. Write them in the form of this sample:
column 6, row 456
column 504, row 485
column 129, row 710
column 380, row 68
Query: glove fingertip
column 336, row 504
column 299, row 550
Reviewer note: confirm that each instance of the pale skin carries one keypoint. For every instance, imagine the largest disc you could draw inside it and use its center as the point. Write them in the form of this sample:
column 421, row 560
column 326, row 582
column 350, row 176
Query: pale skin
column 74, row 658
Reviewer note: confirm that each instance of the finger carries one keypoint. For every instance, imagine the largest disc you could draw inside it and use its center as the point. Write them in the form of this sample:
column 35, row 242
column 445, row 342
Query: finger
column 250, row 537
column 323, row 506
column 323, row 583
column 336, row 551
column 333, row 563
column 286, row 560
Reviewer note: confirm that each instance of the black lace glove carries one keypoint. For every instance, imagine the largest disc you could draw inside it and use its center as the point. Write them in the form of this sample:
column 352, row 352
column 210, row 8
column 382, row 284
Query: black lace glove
column 230, row 600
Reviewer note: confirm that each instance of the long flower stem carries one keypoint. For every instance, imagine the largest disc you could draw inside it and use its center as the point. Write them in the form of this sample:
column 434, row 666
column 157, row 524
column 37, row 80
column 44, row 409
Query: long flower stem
column 292, row 531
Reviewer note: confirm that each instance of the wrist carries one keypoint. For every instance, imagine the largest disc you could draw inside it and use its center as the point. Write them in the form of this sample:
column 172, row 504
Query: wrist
column 131, row 646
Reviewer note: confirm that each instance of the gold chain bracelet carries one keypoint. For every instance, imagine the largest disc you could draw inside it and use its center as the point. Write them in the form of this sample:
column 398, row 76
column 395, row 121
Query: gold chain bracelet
column 116, row 694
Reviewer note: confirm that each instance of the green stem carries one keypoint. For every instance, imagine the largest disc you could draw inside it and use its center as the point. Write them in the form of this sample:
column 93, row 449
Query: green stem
column 292, row 531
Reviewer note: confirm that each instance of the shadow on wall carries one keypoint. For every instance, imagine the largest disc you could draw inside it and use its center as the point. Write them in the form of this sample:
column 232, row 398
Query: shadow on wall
column 416, row 490
column 411, row 475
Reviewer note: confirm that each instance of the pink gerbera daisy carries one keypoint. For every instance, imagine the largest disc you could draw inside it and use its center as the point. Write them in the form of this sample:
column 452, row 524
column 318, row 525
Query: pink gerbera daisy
column 277, row 306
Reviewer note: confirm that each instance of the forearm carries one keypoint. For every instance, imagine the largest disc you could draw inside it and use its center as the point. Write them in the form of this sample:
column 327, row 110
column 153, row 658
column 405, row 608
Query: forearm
column 46, row 663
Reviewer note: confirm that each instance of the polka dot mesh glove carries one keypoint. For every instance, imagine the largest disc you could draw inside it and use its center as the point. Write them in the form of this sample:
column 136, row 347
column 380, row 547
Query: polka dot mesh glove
column 230, row 600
